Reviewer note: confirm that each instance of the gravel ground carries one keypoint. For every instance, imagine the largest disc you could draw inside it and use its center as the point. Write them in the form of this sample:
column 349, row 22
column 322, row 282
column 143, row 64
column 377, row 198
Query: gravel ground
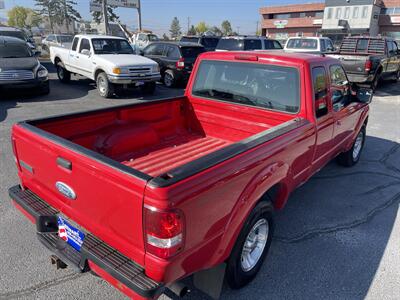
column 338, row 237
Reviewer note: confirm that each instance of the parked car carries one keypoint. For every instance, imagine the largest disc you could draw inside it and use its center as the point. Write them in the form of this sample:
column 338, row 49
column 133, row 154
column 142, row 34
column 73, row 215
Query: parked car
column 142, row 39
column 369, row 60
column 147, row 194
column 60, row 40
column 208, row 42
column 17, row 33
column 20, row 67
column 247, row 43
column 175, row 60
column 108, row 60
column 315, row 45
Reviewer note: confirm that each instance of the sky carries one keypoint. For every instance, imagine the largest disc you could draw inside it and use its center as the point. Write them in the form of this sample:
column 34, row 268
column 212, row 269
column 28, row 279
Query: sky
column 158, row 14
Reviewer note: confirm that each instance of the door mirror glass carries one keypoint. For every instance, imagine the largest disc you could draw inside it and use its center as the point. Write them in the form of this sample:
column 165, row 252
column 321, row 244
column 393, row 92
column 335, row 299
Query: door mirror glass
column 364, row 95
column 86, row 52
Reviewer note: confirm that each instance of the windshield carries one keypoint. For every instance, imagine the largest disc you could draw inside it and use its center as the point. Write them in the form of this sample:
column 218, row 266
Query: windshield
column 16, row 34
column 111, row 46
column 187, row 39
column 209, row 42
column 302, row 44
column 191, row 52
column 14, row 50
column 64, row 38
column 266, row 86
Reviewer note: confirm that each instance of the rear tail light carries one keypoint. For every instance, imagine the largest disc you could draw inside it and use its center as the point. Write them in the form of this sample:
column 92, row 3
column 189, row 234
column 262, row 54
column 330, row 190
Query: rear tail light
column 14, row 148
column 164, row 231
column 180, row 64
column 368, row 66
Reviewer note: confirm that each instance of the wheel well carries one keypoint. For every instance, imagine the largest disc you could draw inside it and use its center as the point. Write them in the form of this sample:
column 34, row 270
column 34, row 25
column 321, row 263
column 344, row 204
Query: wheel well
column 379, row 70
column 97, row 73
column 366, row 121
column 272, row 194
column 57, row 60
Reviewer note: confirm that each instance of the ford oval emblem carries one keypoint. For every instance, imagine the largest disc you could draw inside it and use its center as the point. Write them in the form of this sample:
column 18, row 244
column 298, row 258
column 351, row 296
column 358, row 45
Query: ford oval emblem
column 65, row 190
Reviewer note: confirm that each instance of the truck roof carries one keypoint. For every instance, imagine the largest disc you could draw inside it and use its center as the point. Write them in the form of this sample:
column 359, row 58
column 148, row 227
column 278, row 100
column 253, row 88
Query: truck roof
column 99, row 36
column 296, row 58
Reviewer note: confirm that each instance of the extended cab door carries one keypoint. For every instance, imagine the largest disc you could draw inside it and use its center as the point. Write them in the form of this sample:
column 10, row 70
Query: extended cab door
column 83, row 60
column 70, row 64
column 324, row 119
column 345, row 111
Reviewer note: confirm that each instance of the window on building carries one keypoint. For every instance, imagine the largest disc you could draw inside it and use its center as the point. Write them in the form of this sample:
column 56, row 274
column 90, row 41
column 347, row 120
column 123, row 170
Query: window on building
column 355, row 12
column 319, row 14
column 346, row 12
column 282, row 16
column 302, row 15
column 338, row 13
column 365, row 12
column 329, row 13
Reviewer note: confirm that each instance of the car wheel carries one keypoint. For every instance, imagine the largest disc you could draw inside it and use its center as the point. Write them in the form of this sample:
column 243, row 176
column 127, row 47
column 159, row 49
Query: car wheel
column 104, row 86
column 251, row 247
column 397, row 76
column 63, row 75
column 169, row 79
column 149, row 88
column 376, row 81
column 351, row 157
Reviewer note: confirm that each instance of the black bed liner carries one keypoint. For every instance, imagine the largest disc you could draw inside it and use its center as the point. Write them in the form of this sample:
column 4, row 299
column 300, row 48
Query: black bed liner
column 174, row 175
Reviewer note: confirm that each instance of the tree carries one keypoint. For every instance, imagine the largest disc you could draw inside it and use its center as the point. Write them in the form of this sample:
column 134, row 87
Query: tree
column 175, row 30
column 49, row 9
column 23, row 17
column 192, row 31
column 69, row 13
column 98, row 15
column 226, row 27
column 216, row 30
column 201, row 27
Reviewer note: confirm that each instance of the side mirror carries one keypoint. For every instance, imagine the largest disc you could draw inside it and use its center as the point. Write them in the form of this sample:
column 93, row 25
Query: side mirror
column 86, row 52
column 37, row 53
column 364, row 95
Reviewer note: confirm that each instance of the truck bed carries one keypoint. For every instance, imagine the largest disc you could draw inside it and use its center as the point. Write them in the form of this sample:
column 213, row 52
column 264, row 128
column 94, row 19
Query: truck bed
column 157, row 137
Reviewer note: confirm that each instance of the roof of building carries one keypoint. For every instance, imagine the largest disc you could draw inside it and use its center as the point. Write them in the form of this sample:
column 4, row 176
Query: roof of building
column 292, row 8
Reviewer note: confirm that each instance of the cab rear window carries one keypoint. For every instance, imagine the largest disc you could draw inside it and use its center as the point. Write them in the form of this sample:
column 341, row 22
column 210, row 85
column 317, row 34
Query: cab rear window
column 191, row 52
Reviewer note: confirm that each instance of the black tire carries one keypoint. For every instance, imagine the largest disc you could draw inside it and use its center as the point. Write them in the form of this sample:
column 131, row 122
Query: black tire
column 236, row 275
column 377, row 80
column 397, row 76
column 63, row 75
column 104, row 86
column 169, row 79
column 350, row 158
column 149, row 88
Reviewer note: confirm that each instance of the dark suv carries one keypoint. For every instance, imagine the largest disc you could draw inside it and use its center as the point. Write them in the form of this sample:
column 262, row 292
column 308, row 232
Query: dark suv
column 209, row 42
column 175, row 60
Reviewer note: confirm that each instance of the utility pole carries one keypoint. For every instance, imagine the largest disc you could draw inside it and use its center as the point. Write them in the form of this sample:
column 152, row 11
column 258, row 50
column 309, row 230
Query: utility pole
column 105, row 17
column 139, row 15
column 188, row 25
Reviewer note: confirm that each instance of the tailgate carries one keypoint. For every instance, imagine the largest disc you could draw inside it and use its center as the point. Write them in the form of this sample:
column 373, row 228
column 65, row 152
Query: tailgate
column 108, row 201
column 354, row 63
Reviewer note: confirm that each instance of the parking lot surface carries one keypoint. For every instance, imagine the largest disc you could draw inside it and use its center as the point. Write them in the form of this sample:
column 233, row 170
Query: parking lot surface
column 338, row 237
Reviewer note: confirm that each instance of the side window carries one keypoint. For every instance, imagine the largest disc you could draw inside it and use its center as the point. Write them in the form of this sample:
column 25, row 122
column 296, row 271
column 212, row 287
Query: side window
column 75, row 44
column 173, row 52
column 320, row 91
column 252, row 44
column 277, row 45
column 159, row 50
column 341, row 93
column 150, row 49
column 323, row 46
column 50, row 38
column 329, row 45
column 85, row 45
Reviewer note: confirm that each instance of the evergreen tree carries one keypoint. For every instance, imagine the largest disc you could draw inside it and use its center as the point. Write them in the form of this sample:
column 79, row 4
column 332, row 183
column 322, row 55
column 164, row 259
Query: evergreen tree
column 175, row 30
column 192, row 31
column 98, row 15
column 48, row 9
column 69, row 13
column 165, row 37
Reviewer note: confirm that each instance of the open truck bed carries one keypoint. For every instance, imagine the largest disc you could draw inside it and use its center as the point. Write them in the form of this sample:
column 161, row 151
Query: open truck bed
column 162, row 139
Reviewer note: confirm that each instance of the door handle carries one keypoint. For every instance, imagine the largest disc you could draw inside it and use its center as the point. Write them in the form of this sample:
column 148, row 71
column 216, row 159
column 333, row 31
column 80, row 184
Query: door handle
column 77, row 56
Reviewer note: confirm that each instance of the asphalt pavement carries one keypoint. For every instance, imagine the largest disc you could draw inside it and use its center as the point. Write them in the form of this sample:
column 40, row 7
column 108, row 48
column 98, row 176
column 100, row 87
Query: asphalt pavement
column 337, row 238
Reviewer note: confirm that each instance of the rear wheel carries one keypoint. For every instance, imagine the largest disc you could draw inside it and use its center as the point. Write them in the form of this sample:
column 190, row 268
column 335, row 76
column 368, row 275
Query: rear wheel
column 169, row 79
column 63, row 75
column 104, row 86
column 376, row 81
column 351, row 157
column 397, row 76
column 251, row 247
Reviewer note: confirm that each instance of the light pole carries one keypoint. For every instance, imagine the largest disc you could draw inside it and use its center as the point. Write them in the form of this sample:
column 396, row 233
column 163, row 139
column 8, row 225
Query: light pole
column 139, row 15
column 105, row 17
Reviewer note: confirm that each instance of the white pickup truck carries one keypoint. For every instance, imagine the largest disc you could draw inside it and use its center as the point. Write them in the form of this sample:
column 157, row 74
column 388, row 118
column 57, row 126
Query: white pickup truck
column 108, row 60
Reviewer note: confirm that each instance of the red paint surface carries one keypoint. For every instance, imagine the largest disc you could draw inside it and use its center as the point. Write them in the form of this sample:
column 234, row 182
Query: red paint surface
column 156, row 138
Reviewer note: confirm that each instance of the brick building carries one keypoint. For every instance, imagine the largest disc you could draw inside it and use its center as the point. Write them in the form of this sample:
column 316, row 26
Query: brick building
column 334, row 18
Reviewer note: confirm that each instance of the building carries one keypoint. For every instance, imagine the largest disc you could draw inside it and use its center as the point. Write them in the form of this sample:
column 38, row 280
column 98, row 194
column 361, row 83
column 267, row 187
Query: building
column 281, row 22
column 334, row 18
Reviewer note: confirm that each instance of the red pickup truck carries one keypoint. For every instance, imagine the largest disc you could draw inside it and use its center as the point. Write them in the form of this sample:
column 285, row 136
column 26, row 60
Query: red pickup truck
column 147, row 194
